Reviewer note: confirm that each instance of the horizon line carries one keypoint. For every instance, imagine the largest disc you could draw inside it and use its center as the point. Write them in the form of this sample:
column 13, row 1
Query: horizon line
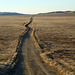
column 35, row 13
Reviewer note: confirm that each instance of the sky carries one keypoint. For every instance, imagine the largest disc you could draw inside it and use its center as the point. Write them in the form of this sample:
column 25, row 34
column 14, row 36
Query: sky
column 36, row 6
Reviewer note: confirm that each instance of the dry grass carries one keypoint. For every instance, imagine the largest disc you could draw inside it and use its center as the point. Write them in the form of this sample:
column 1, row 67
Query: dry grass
column 57, row 39
column 10, row 29
column 56, row 35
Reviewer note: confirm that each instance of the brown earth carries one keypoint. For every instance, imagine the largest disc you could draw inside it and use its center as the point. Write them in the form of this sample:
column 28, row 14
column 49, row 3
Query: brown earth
column 29, row 61
column 56, row 38
column 10, row 29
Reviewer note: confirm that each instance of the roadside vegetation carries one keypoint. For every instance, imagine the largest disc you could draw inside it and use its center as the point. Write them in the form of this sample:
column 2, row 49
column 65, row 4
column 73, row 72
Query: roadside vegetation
column 56, row 36
column 10, row 29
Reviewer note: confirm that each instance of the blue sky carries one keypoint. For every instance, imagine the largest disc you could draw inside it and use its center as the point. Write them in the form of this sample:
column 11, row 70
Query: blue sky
column 36, row 6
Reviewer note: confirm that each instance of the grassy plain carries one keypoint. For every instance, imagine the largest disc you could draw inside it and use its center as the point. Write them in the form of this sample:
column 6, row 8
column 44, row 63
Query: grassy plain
column 10, row 29
column 56, row 35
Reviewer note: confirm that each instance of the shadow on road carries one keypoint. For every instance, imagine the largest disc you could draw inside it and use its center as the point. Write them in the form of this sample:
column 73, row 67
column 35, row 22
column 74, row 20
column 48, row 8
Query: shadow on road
column 19, row 68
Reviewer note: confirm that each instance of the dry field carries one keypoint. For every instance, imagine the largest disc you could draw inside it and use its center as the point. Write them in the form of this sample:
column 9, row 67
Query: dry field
column 10, row 29
column 56, row 36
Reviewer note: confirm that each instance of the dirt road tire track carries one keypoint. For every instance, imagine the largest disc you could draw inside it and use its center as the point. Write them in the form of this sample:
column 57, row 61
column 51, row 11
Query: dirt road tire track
column 30, row 62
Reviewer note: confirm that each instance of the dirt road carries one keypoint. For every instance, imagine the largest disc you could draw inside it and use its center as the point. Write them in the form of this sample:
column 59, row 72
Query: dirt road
column 29, row 60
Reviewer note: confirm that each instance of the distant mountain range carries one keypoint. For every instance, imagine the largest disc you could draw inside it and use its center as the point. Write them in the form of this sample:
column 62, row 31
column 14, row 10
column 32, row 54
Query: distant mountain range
column 11, row 13
column 49, row 13
column 58, row 12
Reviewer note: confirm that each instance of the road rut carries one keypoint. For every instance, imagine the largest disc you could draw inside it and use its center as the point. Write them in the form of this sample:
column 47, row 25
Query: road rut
column 30, row 62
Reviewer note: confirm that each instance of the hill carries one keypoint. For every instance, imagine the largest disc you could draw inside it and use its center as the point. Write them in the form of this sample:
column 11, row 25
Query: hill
column 11, row 13
column 59, row 13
